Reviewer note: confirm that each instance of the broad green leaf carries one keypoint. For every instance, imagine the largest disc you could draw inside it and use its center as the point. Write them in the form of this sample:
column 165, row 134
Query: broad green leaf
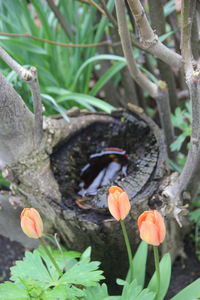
column 131, row 291
column 169, row 7
column 10, row 291
column 95, row 59
column 139, row 263
column 98, row 292
column 57, row 107
column 145, row 294
column 106, row 77
column 63, row 292
column 163, row 37
column 190, row 292
column 64, row 259
column 165, row 275
column 83, row 273
column 87, row 101
column 33, row 268
column 29, row 47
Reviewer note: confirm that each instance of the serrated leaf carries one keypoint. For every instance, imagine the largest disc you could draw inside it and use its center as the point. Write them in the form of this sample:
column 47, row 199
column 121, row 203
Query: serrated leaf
column 63, row 292
column 190, row 292
column 31, row 267
column 83, row 273
column 165, row 275
column 10, row 291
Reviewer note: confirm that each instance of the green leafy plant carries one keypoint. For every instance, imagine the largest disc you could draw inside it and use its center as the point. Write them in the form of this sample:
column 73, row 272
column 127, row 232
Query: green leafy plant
column 35, row 277
column 58, row 67
column 182, row 120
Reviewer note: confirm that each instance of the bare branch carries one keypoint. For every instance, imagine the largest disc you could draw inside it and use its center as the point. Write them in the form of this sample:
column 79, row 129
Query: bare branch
column 59, row 17
column 163, row 105
column 137, row 75
column 30, row 77
column 37, row 104
column 108, row 14
column 191, row 166
column 21, row 71
column 26, row 35
column 158, row 22
column 159, row 94
column 149, row 39
column 92, row 2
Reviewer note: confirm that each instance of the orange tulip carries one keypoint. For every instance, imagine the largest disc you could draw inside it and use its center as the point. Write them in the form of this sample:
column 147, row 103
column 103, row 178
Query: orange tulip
column 118, row 203
column 152, row 227
column 31, row 223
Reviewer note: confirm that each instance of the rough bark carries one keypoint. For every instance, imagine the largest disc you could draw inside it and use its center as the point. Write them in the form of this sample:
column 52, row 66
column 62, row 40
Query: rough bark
column 16, row 125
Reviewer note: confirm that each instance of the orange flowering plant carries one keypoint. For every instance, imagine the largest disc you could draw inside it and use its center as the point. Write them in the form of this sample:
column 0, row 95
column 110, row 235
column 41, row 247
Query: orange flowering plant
column 151, row 227
column 31, row 223
column 152, row 231
column 118, row 203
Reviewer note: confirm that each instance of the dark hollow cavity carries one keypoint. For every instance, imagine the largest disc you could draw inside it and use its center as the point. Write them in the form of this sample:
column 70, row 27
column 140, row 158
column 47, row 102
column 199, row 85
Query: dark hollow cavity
column 73, row 159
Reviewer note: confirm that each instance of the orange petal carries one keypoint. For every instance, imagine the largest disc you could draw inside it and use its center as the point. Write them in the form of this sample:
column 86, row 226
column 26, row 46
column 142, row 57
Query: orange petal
column 149, row 233
column 115, row 188
column 161, row 225
column 28, row 227
column 113, row 207
column 124, row 205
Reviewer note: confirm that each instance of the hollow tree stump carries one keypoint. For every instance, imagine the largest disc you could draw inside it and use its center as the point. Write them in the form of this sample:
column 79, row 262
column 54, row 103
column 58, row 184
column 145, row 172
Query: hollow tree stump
column 49, row 177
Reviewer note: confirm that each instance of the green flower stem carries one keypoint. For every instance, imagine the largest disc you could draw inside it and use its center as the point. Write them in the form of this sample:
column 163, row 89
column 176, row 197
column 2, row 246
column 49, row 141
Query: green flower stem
column 128, row 247
column 43, row 244
column 157, row 266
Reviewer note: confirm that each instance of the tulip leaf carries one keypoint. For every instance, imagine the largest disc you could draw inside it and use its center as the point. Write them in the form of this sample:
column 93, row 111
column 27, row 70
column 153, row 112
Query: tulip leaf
column 165, row 275
column 98, row 292
column 135, row 291
column 139, row 264
column 192, row 292
column 10, row 291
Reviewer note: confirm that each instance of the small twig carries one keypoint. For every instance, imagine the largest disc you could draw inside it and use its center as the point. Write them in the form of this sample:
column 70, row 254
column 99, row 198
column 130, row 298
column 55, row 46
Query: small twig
column 108, row 14
column 97, row 6
column 91, row 2
column 30, row 77
column 59, row 17
column 27, row 35
column 149, row 39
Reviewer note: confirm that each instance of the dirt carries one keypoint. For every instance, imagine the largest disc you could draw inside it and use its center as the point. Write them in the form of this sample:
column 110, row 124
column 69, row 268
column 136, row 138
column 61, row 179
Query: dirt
column 9, row 253
column 184, row 271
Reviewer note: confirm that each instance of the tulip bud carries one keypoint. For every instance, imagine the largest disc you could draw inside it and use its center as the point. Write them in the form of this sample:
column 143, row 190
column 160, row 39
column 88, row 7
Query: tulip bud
column 152, row 227
column 118, row 203
column 31, row 223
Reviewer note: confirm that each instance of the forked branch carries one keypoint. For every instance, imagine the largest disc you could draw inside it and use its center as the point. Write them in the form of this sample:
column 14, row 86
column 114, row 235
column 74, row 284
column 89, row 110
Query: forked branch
column 158, row 92
column 149, row 40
